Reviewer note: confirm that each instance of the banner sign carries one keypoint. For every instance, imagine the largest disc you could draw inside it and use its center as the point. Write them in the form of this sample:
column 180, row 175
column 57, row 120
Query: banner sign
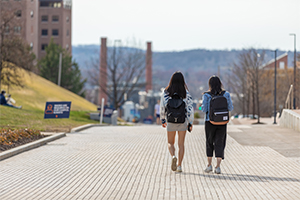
column 57, row 110
column 107, row 112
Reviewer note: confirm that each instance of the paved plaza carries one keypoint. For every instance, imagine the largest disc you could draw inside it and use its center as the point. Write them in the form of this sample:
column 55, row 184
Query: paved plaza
column 133, row 162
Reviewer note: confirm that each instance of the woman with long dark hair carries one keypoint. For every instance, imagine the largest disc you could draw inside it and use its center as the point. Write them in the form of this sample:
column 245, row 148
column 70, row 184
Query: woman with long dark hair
column 176, row 91
column 215, row 134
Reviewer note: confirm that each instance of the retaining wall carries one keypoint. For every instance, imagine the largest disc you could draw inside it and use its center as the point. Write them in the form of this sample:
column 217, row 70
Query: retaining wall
column 290, row 119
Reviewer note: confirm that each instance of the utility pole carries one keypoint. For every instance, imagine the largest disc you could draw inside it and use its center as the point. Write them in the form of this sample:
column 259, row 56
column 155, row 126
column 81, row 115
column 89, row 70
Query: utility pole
column 275, row 87
column 59, row 69
column 295, row 67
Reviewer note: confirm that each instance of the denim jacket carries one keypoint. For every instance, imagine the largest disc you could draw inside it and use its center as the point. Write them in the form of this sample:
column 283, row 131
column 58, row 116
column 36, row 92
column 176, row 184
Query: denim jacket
column 206, row 103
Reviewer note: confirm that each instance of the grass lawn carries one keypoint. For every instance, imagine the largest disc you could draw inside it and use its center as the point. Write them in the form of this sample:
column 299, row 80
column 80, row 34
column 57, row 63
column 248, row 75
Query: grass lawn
column 34, row 119
column 33, row 97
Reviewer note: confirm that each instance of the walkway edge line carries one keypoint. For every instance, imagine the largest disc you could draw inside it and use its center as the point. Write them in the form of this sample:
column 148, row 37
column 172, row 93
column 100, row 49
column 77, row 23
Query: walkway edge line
column 83, row 127
column 29, row 146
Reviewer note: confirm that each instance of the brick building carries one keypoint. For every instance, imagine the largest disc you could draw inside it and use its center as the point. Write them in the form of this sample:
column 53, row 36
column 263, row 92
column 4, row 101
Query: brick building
column 281, row 62
column 284, row 78
column 37, row 21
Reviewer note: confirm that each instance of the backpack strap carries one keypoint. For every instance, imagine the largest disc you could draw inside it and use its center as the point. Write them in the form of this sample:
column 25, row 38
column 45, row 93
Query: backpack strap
column 223, row 92
column 176, row 96
column 208, row 93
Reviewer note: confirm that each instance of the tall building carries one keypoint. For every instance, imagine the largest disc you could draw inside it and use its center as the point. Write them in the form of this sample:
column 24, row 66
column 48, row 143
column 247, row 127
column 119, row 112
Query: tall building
column 37, row 21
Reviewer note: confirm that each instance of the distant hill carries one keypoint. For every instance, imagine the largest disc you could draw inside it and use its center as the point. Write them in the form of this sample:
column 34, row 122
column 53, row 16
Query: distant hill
column 197, row 64
column 37, row 91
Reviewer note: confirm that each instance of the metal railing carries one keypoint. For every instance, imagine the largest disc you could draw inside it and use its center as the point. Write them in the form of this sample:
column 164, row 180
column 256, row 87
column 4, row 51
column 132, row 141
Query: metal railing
column 289, row 99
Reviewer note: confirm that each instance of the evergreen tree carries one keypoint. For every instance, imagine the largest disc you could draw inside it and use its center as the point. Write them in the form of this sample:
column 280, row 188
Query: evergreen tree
column 70, row 74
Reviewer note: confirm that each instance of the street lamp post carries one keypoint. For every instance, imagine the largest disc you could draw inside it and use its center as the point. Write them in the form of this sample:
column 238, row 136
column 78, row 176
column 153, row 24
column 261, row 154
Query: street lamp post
column 294, row 96
column 275, row 74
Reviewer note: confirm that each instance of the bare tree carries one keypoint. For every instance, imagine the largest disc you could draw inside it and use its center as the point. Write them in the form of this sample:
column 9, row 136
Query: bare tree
column 15, row 53
column 125, row 67
column 237, row 81
column 246, row 79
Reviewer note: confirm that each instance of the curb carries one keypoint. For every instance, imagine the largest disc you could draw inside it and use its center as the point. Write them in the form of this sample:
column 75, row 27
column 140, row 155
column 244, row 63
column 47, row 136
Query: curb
column 31, row 145
column 83, row 127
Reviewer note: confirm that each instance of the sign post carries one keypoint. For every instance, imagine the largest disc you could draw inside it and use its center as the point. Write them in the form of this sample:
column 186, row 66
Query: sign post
column 101, row 115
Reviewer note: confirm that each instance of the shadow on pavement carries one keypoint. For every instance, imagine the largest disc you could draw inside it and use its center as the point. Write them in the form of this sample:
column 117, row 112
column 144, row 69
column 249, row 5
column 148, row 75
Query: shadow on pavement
column 245, row 177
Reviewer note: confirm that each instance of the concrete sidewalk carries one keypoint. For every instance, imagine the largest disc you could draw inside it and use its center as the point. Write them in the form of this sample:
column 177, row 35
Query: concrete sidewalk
column 134, row 163
column 283, row 140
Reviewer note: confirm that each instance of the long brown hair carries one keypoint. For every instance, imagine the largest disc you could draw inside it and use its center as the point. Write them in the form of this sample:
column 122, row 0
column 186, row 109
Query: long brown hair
column 177, row 85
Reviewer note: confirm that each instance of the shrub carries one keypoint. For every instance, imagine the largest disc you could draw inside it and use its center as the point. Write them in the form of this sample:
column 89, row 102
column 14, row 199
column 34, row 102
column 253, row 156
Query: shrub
column 10, row 138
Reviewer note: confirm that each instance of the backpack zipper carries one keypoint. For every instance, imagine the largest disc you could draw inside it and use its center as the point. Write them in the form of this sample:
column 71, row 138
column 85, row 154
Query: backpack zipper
column 216, row 113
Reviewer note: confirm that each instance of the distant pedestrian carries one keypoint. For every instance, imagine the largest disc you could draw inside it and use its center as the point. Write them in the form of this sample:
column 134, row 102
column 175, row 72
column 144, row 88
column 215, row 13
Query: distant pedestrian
column 157, row 112
column 3, row 101
column 215, row 134
column 177, row 114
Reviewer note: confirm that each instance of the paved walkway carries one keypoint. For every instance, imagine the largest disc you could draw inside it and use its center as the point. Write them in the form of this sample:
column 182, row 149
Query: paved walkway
column 134, row 163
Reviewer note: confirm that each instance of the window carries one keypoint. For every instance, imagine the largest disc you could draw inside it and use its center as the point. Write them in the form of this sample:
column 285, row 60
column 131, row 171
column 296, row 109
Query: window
column 7, row 29
column 281, row 65
column 67, row 4
column 44, row 46
column 56, row 5
column 68, row 19
column 17, row 29
column 44, row 18
column 44, row 32
column 68, row 33
column 50, row 4
column 19, row 13
column 31, row 14
column 55, row 18
column 31, row 45
column 44, row 4
column 67, row 47
column 55, row 32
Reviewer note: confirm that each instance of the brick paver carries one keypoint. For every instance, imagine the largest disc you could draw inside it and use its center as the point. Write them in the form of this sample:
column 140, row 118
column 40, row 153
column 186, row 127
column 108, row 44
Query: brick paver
column 134, row 163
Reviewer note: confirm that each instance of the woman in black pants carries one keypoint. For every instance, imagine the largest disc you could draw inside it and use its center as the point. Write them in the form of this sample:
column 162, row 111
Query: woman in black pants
column 215, row 134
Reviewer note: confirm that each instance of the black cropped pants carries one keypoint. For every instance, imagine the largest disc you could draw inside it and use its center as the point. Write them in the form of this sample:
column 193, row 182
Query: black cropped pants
column 215, row 139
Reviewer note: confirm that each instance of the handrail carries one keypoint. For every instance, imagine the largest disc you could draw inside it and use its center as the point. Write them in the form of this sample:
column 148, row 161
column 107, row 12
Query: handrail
column 288, row 101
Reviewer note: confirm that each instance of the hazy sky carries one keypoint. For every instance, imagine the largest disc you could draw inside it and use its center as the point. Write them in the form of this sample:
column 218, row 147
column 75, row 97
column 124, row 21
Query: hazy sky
column 189, row 24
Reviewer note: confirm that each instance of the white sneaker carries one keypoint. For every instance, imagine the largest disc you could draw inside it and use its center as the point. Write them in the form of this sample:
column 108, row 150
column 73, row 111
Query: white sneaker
column 218, row 170
column 208, row 169
column 174, row 163
column 179, row 169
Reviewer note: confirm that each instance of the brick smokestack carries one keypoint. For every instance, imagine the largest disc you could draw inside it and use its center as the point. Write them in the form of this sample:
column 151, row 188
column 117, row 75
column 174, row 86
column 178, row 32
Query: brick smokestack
column 103, row 72
column 148, row 67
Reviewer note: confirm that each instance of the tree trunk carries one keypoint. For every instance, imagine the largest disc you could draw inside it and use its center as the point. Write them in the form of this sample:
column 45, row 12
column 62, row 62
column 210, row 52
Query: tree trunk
column 243, row 104
column 253, row 101
column 257, row 99
column 0, row 68
column 248, row 102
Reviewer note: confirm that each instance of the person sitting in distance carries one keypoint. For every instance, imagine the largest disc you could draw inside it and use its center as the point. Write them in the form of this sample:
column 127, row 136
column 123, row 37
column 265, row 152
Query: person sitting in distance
column 3, row 101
